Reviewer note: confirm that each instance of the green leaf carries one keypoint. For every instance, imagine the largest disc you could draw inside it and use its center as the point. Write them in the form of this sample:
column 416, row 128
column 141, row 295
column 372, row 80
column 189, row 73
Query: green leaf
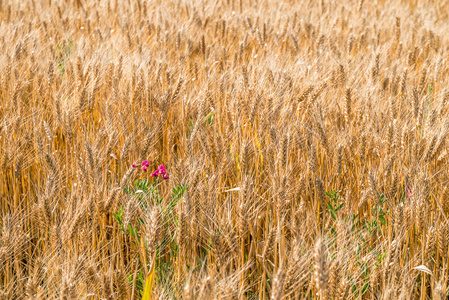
column 365, row 287
column 132, row 230
column 332, row 211
column 339, row 206
column 209, row 118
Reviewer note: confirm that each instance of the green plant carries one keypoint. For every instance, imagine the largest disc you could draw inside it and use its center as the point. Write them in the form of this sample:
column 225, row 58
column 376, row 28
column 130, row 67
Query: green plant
column 63, row 52
column 146, row 193
column 334, row 204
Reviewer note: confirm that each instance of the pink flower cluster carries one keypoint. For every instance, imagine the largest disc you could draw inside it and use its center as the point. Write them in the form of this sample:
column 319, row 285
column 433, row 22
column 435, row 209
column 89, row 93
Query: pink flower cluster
column 159, row 172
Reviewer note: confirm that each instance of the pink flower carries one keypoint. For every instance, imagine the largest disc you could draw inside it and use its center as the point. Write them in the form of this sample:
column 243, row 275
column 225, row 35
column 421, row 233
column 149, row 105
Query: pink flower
column 146, row 163
column 144, row 168
column 409, row 190
column 162, row 170
column 134, row 166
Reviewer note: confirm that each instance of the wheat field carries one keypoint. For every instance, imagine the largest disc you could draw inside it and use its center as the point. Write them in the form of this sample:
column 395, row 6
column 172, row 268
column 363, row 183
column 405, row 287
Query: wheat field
column 303, row 146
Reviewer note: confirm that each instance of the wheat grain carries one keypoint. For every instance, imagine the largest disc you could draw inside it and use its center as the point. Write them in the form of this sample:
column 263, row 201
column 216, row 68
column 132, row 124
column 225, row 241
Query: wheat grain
column 262, row 117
